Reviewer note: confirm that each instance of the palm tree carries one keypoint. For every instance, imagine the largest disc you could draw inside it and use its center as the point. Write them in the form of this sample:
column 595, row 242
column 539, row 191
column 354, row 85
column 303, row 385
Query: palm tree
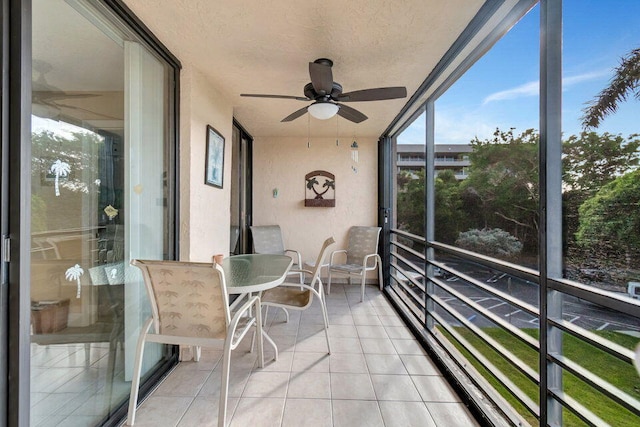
column 74, row 273
column 60, row 168
column 625, row 81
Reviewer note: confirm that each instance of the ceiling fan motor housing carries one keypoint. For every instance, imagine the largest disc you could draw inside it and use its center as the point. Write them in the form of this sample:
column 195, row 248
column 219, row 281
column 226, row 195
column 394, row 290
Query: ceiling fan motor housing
column 310, row 93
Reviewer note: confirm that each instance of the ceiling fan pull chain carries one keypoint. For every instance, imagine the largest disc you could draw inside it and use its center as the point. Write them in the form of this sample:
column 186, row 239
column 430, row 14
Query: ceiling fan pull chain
column 308, row 131
column 337, row 133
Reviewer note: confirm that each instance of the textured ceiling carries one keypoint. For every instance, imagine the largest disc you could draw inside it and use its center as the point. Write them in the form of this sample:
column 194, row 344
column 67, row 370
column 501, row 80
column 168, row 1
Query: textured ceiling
column 257, row 46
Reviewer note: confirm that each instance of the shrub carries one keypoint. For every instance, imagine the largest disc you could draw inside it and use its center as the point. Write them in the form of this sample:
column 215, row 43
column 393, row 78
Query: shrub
column 490, row 241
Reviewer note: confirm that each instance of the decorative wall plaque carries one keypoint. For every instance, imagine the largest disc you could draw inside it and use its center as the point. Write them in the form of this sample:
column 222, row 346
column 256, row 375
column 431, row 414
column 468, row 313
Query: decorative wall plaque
column 320, row 189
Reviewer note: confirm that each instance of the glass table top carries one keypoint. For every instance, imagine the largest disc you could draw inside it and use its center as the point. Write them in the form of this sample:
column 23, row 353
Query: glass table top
column 255, row 272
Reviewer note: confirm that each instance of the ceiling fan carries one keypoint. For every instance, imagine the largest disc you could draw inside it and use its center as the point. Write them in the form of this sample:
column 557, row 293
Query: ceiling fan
column 327, row 95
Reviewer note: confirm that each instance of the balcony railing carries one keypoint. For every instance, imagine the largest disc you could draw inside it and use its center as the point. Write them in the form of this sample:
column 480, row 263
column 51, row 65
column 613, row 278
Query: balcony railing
column 482, row 316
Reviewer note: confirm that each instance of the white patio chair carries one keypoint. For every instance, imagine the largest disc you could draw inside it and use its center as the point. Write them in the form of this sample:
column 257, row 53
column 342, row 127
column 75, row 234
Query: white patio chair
column 295, row 296
column 190, row 306
column 361, row 256
column 267, row 239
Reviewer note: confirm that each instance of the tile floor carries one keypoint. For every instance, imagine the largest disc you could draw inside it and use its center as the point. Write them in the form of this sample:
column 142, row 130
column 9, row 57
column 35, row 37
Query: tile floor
column 377, row 375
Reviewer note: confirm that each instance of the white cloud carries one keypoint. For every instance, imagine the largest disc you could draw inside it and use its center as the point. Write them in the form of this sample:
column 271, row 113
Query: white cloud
column 532, row 88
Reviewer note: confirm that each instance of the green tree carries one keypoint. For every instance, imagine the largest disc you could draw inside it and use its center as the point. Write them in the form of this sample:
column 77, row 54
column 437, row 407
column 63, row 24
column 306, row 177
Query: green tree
column 411, row 202
column 591, row 160
column 502, row 188
column 490, row 241
column 626, row 80
column 450, row 217
column 610, row 220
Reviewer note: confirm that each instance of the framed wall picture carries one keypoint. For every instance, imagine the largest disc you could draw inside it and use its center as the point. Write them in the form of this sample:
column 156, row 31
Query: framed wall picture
column 214, row 163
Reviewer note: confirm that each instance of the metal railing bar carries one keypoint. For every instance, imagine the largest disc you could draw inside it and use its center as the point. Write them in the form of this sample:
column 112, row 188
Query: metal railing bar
column 407, row 276
column 417, row 313
column 408, row 249
column 576, row 408
column 413, row 237
column 595, row 340
column 517, row 332
column 496, row 264
column 596, row 382
column 530, row 309
column 597, row 296
column 495, row 345
column 528, row 403
column 417, row 298
column 409, row 263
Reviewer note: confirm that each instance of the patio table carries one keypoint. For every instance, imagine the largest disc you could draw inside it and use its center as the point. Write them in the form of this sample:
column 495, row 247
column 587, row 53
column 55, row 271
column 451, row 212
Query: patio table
column 251, row 273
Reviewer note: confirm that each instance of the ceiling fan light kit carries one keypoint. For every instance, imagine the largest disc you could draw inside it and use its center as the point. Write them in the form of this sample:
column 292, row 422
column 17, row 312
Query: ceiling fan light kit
column 323, row 110
column 326, row 93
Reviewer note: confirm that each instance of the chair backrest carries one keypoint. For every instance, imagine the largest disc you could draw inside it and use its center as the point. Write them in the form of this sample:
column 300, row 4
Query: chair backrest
column 267, row 239
column 321, row 256
column 188, row 299
column 363, row 241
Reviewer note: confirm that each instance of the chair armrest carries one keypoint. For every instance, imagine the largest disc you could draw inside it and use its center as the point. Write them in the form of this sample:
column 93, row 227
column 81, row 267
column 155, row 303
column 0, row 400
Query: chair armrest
column 333, row 253
column 366, row 259
column 299, row 263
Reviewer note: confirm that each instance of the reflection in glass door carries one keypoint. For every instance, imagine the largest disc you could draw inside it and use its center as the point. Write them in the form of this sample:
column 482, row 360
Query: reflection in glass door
column 99, row 198
column 241, row 157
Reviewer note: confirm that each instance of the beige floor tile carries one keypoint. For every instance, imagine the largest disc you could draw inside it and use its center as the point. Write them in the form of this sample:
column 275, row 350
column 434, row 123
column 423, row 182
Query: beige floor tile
column 312, row 319
column 365, row 331
column 267, row 384
column 345, row 345
column 356, row 413
column 183, row 381
column 308, row 331
column 352, row 386
column 258, row 412
column 419, row 365
column 385, row 310
column 366, row 319
column 237, row 382
column 363, row 309
column 407, row 414
column 349, row 363
column 343, row 331
column 389, row 364
column 307, row 412
column 451, row 414
column 283, row 342
column 309, row 385
column 283, row 364
column 162, row 411
column 408, row 347
column 316, row 344
column 395, row 387
column 377, row 346
column 341, row 319
column 391, row 320
column 399, row 332
column 434, row 389
column 281, row 328
column 310, row 362
column 203, row 412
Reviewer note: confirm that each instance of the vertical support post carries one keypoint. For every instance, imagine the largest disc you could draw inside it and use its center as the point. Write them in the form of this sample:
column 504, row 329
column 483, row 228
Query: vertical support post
column 385, row 176
column 16, row 57
column 550, row 248
column 429, row 207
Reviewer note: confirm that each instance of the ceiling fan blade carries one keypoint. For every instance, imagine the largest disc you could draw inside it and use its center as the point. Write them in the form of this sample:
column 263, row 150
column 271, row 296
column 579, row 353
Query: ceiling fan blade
column 257, row 95
column 377, row 94
column 351, row 114
column 295, row 115
column 321, row 77
column 73, row 107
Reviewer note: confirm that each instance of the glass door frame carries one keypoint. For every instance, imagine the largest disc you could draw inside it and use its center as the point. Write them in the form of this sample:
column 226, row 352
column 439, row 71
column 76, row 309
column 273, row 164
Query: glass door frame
column 245, row 180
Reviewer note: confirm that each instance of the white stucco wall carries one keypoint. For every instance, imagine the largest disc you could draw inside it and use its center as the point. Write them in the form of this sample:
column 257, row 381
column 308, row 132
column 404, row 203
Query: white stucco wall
column 204, row 210
column 282, row 163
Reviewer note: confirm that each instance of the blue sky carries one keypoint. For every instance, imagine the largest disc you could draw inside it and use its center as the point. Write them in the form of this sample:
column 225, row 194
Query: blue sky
column 501, row 89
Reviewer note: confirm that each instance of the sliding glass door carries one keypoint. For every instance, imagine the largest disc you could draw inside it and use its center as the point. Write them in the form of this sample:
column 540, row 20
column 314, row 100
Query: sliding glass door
column 102, row 193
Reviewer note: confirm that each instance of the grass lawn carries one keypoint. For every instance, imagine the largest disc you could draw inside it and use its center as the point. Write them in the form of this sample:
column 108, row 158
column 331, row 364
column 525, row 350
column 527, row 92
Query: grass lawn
column 616, row 372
